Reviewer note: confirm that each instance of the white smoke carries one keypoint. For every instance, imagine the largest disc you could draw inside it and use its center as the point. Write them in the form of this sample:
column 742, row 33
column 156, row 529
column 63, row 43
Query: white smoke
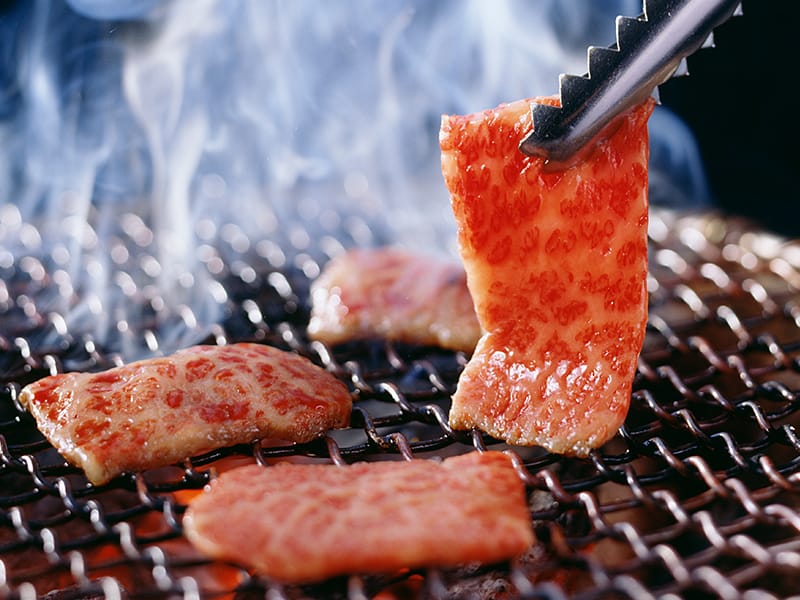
column 146, row 139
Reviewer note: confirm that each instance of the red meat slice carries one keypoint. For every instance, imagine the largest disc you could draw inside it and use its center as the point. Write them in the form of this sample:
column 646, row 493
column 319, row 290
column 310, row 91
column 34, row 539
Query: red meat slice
column 159, row 411
column 304, row 523
column 394, row 294
column 556, row 263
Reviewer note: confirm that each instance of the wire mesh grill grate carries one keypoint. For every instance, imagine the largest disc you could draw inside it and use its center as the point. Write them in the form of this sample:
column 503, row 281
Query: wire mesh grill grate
column 696, row 497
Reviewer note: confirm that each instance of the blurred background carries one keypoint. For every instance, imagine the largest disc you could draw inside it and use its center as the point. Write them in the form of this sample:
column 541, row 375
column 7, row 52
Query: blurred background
column 209, row 106
column 187, row 102
column 741, row 106
column 164, row 134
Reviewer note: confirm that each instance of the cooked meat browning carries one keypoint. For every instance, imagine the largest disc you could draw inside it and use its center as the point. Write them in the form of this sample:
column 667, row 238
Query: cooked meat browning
column 158, row 411
column 556, row 263
column 393, row 294
column 304, row 523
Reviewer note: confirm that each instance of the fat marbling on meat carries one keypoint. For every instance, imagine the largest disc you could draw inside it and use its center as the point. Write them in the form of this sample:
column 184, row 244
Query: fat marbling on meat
column 556, row 262
column 159, row 411
column 305, row 523
column 393, row 294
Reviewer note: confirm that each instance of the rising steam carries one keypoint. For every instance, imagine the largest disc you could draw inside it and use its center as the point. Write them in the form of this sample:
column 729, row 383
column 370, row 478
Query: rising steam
column 144, row 143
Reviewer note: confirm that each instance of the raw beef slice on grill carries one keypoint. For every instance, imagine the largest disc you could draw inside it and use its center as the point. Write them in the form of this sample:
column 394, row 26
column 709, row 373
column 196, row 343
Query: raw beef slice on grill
column 306, row 523
column 159, row 411
column 394, row 294
column 556, row 262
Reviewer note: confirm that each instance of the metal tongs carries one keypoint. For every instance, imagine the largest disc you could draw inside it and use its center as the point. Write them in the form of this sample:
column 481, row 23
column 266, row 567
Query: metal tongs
column 649, row 50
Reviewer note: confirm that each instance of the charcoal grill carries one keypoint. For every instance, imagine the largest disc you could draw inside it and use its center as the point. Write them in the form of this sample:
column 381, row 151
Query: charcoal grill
column 695, row 497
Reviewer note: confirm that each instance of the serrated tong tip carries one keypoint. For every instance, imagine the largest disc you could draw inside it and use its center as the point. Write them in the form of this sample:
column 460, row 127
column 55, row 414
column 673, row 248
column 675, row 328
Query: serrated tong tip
column 649, row 49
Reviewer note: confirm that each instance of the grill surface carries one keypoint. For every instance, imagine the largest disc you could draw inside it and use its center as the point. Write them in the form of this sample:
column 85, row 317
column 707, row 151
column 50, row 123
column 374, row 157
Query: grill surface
column 696, row 497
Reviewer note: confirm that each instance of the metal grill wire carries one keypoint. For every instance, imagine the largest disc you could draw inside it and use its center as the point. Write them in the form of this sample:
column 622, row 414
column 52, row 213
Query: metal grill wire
column 696, row 497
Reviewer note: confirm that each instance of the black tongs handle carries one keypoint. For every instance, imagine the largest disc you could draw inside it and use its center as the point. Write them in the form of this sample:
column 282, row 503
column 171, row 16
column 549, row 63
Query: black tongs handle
column 649, row 49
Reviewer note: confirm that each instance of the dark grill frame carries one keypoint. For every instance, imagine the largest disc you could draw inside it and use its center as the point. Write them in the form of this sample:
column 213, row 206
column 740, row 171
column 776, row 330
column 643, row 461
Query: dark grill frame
column 696, row 497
